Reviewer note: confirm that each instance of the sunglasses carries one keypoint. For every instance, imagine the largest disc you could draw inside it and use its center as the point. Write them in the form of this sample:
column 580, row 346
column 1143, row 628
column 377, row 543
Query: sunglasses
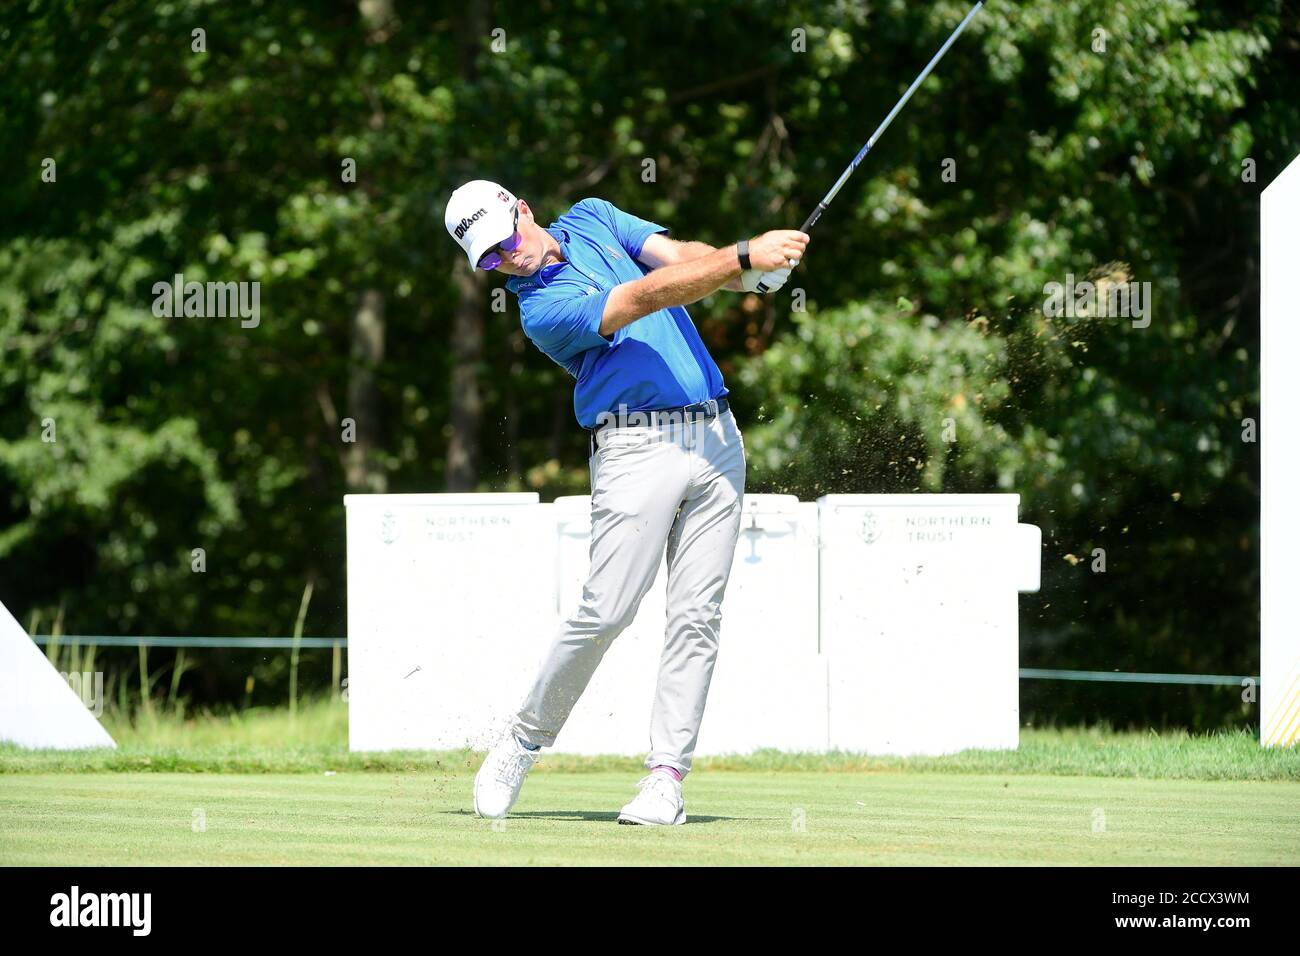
column 492, row 258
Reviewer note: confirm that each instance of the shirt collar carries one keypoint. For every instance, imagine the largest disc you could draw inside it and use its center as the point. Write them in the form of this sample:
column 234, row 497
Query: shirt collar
column 544, row 275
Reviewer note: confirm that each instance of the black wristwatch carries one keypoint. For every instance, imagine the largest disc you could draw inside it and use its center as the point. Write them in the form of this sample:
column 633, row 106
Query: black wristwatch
column 742, row 250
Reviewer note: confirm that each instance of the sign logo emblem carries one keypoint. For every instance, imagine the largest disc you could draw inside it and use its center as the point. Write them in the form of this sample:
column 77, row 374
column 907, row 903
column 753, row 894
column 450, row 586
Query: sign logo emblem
column 870, row 529
column 388, row 527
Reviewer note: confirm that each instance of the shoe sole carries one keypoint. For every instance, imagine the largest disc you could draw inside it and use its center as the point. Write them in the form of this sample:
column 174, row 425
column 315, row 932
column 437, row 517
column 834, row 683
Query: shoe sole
column 628, row 820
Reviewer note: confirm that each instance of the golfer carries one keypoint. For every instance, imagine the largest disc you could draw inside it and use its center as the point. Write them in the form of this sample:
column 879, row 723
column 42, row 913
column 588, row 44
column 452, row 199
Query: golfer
column 603, row 293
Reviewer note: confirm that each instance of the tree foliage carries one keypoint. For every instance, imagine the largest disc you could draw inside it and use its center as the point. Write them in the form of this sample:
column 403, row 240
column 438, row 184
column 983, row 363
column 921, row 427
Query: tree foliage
column 919, row 313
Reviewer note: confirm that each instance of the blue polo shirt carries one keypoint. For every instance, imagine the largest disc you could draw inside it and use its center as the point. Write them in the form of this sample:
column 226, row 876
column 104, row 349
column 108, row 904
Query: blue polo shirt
column 657, row 361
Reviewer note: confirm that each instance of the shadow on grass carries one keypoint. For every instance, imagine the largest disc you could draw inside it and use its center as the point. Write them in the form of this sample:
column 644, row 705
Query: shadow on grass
column 584, row 816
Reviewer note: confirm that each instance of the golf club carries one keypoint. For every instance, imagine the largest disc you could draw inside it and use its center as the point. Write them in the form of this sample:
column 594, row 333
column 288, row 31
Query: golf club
column 844, row 176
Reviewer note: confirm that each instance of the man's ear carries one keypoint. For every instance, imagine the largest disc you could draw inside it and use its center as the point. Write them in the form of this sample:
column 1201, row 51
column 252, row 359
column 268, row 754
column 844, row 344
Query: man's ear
column 524, row 211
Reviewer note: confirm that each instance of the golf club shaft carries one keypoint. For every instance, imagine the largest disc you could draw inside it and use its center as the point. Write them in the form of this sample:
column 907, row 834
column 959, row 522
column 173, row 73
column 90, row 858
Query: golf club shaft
column 821, row 206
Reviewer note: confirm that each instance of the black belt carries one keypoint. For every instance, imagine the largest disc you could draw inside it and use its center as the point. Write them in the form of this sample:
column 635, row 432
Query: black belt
column 701, row 411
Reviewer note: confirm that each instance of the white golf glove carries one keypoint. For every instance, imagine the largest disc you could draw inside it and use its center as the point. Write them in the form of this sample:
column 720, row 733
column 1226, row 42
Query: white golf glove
column 751, row 279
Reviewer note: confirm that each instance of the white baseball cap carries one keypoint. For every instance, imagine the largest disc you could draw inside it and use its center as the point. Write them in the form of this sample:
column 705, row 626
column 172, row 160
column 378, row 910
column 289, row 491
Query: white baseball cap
column 480, row 214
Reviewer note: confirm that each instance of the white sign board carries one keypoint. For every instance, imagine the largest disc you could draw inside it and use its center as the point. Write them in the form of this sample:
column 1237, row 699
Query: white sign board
column 919, row 621
column 450, row 599
column 769, row 682
column 879, row 624
column 1279, row 657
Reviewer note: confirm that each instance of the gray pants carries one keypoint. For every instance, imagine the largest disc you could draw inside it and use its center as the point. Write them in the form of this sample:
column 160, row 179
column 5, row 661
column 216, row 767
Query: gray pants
column 675, row 485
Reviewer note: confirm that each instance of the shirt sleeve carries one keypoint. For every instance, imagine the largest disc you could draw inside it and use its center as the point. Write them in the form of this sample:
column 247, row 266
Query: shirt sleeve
column 564, row 323
column 631, row 231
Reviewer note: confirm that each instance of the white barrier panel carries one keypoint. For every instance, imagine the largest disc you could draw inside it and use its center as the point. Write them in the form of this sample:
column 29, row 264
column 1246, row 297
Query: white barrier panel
column 1279, row 653
column 884, row 624
column 450, row 598
column 1027, row 557
column 38, row 708
column 613, row 715
column 769, row 682
column 919, row 621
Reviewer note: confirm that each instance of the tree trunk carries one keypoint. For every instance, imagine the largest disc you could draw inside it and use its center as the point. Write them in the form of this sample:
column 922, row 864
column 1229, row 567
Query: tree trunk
column 467, row 323
column 515, row 368
column 466, row 402
column 360, row 465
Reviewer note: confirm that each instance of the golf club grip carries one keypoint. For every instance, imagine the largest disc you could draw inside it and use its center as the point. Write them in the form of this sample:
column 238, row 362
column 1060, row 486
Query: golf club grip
column 812, row 219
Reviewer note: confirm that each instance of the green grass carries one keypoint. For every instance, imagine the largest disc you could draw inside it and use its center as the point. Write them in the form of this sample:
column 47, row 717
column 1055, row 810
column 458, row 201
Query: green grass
column 269, row 788
column 734, row 817
column 271, row 741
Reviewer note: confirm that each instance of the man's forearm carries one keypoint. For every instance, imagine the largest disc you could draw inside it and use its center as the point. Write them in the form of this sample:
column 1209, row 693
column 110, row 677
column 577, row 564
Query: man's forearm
column 679, row 284
column 694, row 250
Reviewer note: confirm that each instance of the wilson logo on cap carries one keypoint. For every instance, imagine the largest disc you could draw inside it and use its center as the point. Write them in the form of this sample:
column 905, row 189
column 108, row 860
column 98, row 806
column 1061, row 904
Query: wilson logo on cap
column 466, row 223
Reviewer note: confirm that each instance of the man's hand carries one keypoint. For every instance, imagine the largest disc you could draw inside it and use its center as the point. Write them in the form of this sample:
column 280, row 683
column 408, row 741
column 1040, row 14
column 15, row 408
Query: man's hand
column 772, row 255
column 752, row 280
column 777, row 249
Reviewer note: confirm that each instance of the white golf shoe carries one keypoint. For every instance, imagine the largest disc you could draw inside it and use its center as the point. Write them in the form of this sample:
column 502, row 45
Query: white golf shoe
column 499, row 780
column 659, row 804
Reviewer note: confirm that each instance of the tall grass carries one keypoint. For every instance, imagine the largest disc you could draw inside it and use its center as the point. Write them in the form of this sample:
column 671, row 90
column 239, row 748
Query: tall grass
column 131, row 691
column 297, row 638
column 317, row 722
column 314, row 738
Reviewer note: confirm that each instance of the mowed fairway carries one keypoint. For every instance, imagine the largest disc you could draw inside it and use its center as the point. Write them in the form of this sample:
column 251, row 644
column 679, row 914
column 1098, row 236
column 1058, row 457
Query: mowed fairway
column 734, row 817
